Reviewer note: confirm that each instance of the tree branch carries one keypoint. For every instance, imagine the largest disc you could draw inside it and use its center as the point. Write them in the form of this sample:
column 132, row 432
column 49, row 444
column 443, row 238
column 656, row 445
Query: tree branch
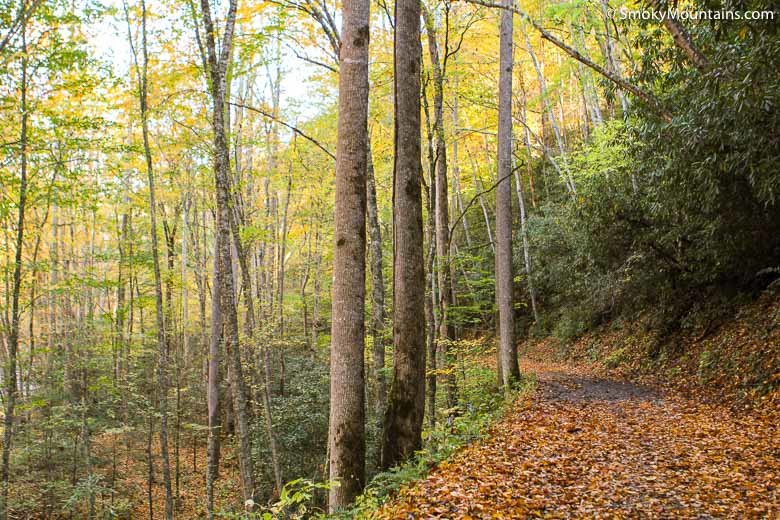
column 285, row 124
column 648, row 98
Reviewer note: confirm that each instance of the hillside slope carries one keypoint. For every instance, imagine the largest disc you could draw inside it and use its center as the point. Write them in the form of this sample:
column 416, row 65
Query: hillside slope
column 721, row 353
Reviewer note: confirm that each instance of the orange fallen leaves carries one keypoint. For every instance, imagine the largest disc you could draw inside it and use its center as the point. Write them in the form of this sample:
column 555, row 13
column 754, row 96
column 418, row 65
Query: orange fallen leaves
column 594, row 448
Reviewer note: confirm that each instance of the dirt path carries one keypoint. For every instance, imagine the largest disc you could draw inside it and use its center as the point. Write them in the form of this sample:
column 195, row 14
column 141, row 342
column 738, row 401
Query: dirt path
column 585, row 447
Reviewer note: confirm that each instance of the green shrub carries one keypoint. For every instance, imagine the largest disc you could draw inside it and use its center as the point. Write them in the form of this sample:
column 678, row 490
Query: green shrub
column 616, row 358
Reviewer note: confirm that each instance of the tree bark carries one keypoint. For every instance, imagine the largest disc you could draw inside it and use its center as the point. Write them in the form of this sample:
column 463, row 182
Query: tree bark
column 504, row 275
column 526, row 249
column 430, row 282
column 346, row 429
column 225, row 278
column 212, row 388
column 377, row 323
column 443, row 271
column 10, row 373
column 406, row 405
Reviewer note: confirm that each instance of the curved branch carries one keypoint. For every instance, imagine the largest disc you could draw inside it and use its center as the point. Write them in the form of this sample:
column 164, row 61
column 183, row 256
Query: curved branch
column 285, row 124
column 645, row 96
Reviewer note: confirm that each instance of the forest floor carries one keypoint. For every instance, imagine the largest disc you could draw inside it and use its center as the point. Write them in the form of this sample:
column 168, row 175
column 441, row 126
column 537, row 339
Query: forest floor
column 586, row 446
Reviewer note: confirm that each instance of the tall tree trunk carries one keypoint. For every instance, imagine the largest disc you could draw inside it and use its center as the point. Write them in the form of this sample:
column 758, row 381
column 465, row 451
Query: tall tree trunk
column 443, row 270
column 478, row 185
column 185, row 289
column 262, row 359
column 430, row 281
column 315, row 306
column 524, row 238
column 307, row 237
column 225, row 279
column 281, row 273
column 455, row 160
column 406, row 404
column 10, row 373
column 162, row 342
column 346, row 429
column 504, row 276
column 377, row 323
column 212, row 388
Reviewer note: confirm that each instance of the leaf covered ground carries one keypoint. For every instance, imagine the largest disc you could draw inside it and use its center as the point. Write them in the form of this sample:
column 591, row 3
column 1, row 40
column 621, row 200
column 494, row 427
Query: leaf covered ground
column 588, row 447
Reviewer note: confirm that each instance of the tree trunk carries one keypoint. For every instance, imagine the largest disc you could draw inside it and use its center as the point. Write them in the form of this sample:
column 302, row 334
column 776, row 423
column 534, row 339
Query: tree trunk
column 456, row 162
column 225, row 279
column 430, row 283
column 250, row 328
column 10, row 375
column 406, row 404
column 567, row 177
column 443, row 271
column 346, row 429
column 315, row 306
column 281, row 274
column 504, row 276
column 526, row 249
column 212, row 389
column 162, row 341
column 377, row 323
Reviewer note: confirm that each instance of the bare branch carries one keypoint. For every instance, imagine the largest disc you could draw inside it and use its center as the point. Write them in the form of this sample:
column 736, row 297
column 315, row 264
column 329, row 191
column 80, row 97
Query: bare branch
column 648, row 98
column 285, row 124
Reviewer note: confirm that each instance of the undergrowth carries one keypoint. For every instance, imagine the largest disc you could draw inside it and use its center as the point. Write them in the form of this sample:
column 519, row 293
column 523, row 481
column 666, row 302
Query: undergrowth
column 480, row 405
column 483, row 406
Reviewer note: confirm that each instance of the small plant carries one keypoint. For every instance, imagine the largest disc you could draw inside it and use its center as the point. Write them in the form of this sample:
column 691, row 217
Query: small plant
column 616, row 358
column 294, row 503
column 707, row 360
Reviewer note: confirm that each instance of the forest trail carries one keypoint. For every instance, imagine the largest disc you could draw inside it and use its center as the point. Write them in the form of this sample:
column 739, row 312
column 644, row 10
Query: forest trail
column 587, row 447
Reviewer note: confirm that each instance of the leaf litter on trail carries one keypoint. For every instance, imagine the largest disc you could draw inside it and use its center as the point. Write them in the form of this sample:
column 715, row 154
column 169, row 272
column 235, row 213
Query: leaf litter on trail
column 585, row 447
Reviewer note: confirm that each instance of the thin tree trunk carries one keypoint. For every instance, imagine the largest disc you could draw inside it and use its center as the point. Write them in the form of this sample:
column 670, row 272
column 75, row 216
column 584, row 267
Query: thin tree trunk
column 527, row 138
column 9, row 399
column 406, row 403
column 346, row 428
column 431, row 325
column 568, row 179
column 478, row 186
column 315, row 306
column 307, row 236
column 443, row 271
column 281, row 274
column 218, row 86
column 504, row 275
column 611, row 58
column 377, row 323
column 212, row 388
column 250, row 328
column 455, row 160
column 526, row 249
column 162, row 342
